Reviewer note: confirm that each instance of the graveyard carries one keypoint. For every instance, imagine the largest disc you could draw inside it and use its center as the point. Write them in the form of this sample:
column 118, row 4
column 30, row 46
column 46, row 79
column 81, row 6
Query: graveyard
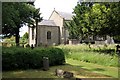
column 82, row 61
column 82, row 44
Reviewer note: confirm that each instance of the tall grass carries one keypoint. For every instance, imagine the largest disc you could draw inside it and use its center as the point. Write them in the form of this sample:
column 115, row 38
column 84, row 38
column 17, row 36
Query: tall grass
column 98, row 54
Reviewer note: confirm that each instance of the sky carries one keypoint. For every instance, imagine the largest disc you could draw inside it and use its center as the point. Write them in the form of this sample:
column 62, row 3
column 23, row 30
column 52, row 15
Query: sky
column 47, row 6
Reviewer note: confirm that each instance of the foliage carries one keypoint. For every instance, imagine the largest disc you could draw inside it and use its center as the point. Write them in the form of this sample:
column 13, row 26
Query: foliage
column 26, row 58
column 95, row 19
column 11, row 39
column 15, row 16
column 26, row 35
column 113, row 19
column 24, row 38
column 97, row 54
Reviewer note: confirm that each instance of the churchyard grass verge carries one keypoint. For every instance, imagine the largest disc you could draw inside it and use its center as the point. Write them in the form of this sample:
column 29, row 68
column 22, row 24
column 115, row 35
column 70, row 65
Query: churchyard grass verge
column 80, row 59
column 80, row 70
column 98, row 54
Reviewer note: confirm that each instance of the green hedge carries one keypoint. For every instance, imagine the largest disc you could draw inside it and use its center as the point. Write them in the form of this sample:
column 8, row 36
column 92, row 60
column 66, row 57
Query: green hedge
column 26, row 58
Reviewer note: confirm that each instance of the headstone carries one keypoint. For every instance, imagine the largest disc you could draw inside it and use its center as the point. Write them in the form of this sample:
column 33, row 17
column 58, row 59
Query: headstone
column 67, row 74
column 45, row 63
column 59, row 72
column 109, row 40
column 64, row 74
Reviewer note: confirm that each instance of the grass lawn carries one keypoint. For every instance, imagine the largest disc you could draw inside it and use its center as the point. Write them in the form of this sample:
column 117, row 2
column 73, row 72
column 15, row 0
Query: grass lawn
column 80, row 70
column 97, row 54
column 80, row 60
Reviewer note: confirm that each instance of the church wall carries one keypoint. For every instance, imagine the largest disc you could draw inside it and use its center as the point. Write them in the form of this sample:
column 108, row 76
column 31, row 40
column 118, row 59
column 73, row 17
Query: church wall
column 42, row 35
column 59, row 22
column 32, row 41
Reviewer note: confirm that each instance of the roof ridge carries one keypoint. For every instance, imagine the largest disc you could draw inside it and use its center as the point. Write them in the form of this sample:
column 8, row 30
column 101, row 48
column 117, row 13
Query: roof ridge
column 47, row 22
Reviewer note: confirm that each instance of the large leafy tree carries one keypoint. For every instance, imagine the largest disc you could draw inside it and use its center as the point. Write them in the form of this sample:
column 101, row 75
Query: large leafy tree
column 15, row 15
column 95, row 19
column 113, row 19
column 78, row 27
column 105, row 19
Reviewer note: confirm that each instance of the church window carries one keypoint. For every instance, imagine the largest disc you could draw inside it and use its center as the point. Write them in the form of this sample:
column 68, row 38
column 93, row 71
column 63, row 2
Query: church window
column 48, row 35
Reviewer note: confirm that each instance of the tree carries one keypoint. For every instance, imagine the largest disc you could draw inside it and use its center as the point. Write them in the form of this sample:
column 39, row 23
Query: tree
column 37, row 19
column 26, row 35
column 113, row 19
column 95, row 19
column 15, row 16
column 24, row 38
column 77, row 26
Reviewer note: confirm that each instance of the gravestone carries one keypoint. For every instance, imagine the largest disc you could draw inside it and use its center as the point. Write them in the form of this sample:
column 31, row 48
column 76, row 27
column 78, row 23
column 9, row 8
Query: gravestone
column 64, row 74
column 67, row 74
column 45, row 63
column 59, row 72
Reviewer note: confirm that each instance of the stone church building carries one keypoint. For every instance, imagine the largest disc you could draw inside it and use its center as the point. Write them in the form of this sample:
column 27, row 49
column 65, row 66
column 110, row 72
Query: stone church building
column 51, row 31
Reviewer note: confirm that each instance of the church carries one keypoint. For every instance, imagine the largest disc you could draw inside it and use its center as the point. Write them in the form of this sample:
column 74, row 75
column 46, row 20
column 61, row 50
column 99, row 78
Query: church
column 51, row 31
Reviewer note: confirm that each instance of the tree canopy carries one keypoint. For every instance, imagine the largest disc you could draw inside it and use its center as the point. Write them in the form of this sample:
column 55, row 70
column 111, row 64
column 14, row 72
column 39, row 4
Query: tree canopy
column 95, row 19
column 17, row 14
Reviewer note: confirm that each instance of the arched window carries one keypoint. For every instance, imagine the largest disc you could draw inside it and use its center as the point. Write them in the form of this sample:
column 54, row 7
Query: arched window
column 48, row 35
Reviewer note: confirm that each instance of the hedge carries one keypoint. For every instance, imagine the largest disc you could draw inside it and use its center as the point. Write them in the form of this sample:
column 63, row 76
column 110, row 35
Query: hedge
column 26, row 58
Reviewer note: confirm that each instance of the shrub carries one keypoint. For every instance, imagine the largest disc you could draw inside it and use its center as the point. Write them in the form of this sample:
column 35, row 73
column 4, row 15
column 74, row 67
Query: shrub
column 26, row 58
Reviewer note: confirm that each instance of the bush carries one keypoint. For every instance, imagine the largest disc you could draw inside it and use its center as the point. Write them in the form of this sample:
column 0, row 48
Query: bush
column 26, row 58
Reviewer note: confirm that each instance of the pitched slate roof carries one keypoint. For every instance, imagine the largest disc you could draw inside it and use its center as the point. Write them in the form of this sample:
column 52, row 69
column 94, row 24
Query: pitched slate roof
column 47, row 22
column 65, row 15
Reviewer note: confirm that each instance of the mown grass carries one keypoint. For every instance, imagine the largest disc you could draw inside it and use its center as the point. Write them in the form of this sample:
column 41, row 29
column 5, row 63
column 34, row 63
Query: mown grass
column 81, row 60
column 80, row 70
column 95, row 68
column 98, row 54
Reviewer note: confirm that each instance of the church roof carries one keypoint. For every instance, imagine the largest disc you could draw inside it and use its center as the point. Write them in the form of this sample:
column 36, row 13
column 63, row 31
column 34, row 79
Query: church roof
column 65, row 15
column 47, row 22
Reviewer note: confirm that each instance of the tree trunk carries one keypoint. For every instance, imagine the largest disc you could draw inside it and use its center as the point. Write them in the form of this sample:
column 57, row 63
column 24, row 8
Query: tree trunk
column 36, row 32
column 17, row 36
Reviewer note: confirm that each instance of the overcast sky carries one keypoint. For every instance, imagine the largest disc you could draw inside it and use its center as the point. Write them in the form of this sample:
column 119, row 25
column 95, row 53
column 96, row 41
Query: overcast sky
column 47, row 6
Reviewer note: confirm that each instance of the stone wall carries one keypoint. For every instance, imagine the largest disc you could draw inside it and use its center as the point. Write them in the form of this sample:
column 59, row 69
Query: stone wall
column 74, row 41
column 42, row 35
column 59, row 22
